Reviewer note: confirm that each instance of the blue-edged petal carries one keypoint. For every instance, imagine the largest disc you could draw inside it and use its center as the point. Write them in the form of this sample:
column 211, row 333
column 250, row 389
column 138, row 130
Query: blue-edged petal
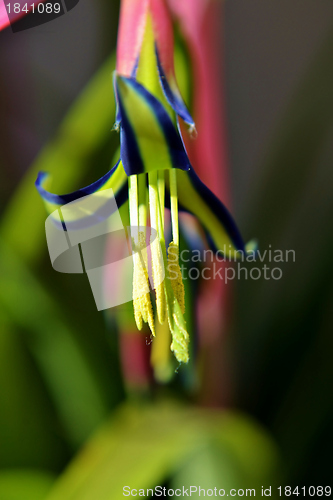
column 149, row 139
column 116, row 179
column 172, row 94
column 223, row 234
column 116, row 125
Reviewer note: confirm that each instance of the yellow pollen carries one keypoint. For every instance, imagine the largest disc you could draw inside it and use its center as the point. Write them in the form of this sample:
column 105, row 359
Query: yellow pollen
column 137, row 314
column 180, row 340
column 143, row 310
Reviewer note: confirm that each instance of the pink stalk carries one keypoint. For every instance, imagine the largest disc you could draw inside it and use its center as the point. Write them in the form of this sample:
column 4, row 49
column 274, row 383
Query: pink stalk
column 133, row 18
column 201, row 23
column 132, row 23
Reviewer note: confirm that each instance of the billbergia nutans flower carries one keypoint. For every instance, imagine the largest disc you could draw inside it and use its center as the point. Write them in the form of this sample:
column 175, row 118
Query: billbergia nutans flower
column 154, row 171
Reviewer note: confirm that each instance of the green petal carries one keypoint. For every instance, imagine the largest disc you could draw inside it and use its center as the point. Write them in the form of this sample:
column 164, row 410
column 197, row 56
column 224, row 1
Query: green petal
column 221, row 229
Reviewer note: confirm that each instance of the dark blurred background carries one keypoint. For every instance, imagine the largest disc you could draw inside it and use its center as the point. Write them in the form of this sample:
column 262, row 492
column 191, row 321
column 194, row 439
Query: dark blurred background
column 279, row 91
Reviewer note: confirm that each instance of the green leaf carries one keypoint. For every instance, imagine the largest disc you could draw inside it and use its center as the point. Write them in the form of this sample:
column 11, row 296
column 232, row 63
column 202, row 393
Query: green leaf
column 82, row 132
column 66, row 371
column 239, row 455
column 28, row 441
column 142, row 446
column 24, row 484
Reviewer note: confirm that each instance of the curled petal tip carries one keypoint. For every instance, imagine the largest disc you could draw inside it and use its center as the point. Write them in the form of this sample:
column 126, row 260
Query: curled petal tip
column 117, row 77
column 251, row 246
column 171, row 92
column 122, row 83
column 115, row 179
column 192, row 130
column 41, row 176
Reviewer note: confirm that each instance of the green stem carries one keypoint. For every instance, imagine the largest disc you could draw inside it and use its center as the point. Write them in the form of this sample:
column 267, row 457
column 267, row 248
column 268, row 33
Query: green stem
column 161, row 193
column 153, row 200
column 174, row 206
column 156, row 223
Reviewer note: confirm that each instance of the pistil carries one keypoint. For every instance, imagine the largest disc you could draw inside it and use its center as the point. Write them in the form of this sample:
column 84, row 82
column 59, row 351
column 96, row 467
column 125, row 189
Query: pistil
column 156, row 250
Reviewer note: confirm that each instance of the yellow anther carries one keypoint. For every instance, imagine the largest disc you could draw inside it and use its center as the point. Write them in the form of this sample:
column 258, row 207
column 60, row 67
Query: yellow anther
column 147, row 309
column 180, row 336
column 160, row 303
column 175, row 275
column 181, row 353
column 136, row 296
column 137, row 314
column 143, row 310
column 180, row 341
column 143, row 248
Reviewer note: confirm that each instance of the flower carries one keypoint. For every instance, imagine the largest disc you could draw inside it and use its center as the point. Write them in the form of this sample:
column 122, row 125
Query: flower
column 154, row 165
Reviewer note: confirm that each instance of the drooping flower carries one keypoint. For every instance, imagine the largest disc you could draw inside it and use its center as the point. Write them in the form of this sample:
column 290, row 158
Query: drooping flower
column 154, row 171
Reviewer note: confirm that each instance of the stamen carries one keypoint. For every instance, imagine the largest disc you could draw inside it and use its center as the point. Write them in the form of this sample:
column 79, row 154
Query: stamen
column 136, row 302
column 143, row 209
column 143, row 200
column 156, row 256
column 180, row 340
column 158, row 277
column 143, row 310
column 177, row 325
column 173, row 251
column 175, row 275
column 174, row 206
column 133, row 204
column 161, row 193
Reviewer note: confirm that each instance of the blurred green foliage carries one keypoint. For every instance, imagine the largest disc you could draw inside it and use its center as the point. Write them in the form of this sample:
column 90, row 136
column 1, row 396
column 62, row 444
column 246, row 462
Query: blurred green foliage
column 284, row 328
column 25, row 484
column 145, row 445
